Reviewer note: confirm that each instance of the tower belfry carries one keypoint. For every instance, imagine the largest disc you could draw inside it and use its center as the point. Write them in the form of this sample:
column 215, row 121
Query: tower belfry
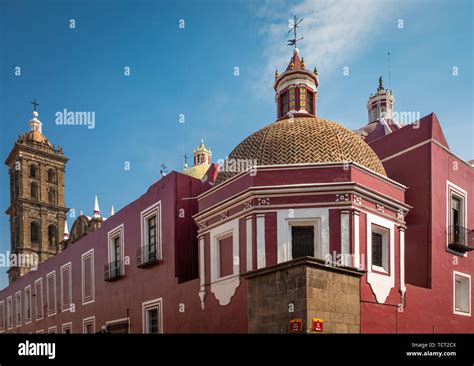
column 37, row 211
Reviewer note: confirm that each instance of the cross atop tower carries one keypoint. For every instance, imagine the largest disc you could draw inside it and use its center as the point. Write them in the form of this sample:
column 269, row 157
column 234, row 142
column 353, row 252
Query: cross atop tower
column 293, row 26
column 35, row 104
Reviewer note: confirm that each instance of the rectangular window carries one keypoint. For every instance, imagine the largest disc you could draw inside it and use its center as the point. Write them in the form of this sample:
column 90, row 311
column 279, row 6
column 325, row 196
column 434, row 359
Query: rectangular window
column 51, row 292
column 119, row 326
column 2, row 316
column 39, row 299
column 457, row 232
column 462, row 294
column 66, row 286
column 115, row 268
column 88, row 325
column 27, row 302
column 18, row 308
column 152, row 317
column 380, row 241
column 9, row 312
column 52, row 330
column 67, row 328
column 284, row 103
column 88, row 279
column 150, row 249
column 302, row 241
column 310, row 101
column 225, row 252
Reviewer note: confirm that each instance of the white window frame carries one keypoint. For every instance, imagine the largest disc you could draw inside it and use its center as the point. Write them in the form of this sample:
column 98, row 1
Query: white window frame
column 41, row 299
column 451, row 189
column 18, row 309
column 385, row 232
column 111, row 235
column 53, row 328
column 84, row 257
column 28, row 290
column 86, row 321
column 66, row 326
column 3, row 323
column 316, row 223
column 152, row 210
column 66, row 268
column 468, row 277
column 54, row 310
column 40, row 331
column 156, row 303
column 9, row 312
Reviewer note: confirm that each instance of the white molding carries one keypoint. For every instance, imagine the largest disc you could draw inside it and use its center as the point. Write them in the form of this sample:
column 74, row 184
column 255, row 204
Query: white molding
column 48, row 276
column 305, row 189
column 18, row 309
column 144, row 215
column 40, row 331
column 3, row 317
column 224, row 288
column 202, row 272
column 30, row 319
column 89, row 253
column 150, row 305
column 40, row 281
column 356, row 218
column 318, row 216
column 10, row 302
column 53, row 329
column 89, row 320
column 249, row 242
column 112, row 234
column 346, row 258
column 63, row 269
column 260, row 227
column 381, row 284
column 458, row 191
column 403, row 287
column 465, row 275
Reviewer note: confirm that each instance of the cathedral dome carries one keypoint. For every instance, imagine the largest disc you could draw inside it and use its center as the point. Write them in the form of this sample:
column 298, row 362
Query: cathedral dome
column 37, row 136
column 303, row 140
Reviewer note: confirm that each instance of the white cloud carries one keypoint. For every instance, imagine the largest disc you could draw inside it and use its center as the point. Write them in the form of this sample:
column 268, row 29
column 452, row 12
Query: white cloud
column 335, row 32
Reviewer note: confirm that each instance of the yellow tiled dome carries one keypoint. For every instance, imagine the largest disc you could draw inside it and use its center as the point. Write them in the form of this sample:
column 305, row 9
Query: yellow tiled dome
column 304, row 140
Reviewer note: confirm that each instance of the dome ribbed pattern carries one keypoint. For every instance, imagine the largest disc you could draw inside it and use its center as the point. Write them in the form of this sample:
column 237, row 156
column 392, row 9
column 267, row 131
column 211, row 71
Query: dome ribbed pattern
column 304, row 140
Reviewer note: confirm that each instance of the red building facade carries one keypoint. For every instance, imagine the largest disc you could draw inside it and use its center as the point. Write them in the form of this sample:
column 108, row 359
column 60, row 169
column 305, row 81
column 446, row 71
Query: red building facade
column 301, row 194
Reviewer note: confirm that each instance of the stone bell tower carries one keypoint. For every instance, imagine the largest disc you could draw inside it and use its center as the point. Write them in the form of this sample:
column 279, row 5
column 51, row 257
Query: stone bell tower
column 37, row 212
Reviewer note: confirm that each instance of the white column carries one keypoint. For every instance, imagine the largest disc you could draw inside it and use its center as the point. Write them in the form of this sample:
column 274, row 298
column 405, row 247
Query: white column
column 202, row 272
column 249, row 243
column 356, row 240
column 402, row 260
column 260, row 241
column 345, row 235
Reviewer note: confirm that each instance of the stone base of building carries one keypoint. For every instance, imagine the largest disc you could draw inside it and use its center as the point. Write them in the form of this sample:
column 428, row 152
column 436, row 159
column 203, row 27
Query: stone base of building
column 304, row 289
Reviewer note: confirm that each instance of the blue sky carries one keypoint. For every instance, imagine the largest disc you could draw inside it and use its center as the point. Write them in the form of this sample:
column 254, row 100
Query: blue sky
column 190, row 71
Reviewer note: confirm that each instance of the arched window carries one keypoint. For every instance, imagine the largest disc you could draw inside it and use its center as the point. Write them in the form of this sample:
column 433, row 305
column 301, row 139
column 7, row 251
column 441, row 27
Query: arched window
column 52, row 195
column 33, row 171
column 35, row 233
column 34, row 191
column 52, row 236
column 51, row 176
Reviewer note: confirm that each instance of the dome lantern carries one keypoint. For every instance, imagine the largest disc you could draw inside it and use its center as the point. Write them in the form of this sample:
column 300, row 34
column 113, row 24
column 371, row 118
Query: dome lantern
column 380, row 105
column 297, row 88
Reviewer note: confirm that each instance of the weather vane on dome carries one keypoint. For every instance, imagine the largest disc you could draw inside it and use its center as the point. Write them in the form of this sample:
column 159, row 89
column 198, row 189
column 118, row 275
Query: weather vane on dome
column 293, row 26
